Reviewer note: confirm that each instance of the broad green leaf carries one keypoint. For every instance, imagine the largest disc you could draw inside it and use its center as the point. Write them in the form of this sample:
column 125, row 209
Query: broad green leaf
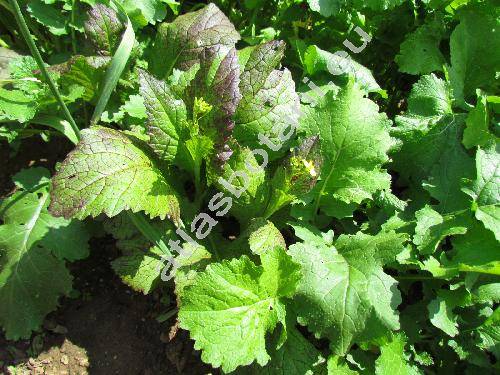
column 86, row 72
column 180, row 44
column 33, row 246
column 28, row 179
column 139, row 269
column 167, row 116
column 344, row 294
column 49, row 16
column 326, row 7
column 441, row 308
column 489, row 333
column 317, row 60
column 142, row 12
column 247, row 188
column 477, row 251
column 432, row 228
column 420, row 53
column 393, row 359
column 264, row 237
column 431, row 154
column 473, row 64
column 234, row 304
column 338, row 367
column 109, row 172
column 296, row 356
column 269, row 102
column 354, row 140
column 17, row 105
column 485, row 190
column 477, row 131
column 134, row 107
column 329, row 7
column 104, row 29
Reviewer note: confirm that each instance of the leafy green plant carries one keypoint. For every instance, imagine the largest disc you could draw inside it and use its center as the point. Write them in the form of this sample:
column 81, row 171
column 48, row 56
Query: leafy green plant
column 364, row 232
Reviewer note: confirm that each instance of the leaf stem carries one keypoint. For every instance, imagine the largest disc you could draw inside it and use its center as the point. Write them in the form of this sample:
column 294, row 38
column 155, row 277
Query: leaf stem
column 72, row 26
column 38, row 58
column 149, row 231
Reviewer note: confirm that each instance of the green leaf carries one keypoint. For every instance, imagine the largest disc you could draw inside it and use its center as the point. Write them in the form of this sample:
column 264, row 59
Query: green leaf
column 354, row 141
column 17, row 105
column 473, row 65
column 234, row 304
column 393, row 359
column 296, row 356
column 104, row 29
column 142, row 12
column 54, row 19
column 477, row 251
column 33, row 246
column 268, row 101
column 344, row 294
column 477, row 131
column 134, row 107
column 441, row 308
column 431, row 149
column 139, row 269
column 485, row 189
column 236, row 178
column 317, row 60
column 87, row 72
column 432, row 228
column 420, row 53
column 167, row 115
column 264, row 237
column 326, row 7
column 30, row 178
column 180, row 44
column 109, row 172
column 338, row 367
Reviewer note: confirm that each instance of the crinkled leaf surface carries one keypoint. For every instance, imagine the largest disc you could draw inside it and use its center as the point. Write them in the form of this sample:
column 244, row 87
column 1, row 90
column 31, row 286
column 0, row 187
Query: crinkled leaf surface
column 167, row 115
column 269, row 103
column 344, row 293
column 182, row 43
column 109, row 172
column 354, row 141
column 33, row 246
column 104, row 29
column 234, row 304
column 248, row 189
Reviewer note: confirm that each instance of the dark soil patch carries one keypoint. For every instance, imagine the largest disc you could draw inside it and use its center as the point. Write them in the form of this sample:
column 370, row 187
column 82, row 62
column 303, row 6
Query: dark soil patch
column 33, row 152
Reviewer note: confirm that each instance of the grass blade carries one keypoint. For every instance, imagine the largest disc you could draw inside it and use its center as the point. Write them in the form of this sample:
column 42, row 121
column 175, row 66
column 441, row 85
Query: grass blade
column 115, row 69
